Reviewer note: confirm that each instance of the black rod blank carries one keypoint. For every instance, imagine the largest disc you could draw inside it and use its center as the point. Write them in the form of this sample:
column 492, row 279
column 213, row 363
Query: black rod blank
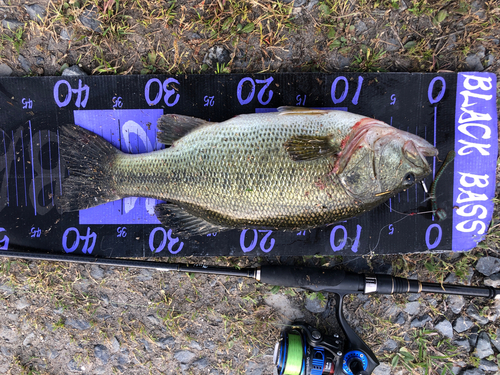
column 471, row 291
column 316, row 279
column 159, row 266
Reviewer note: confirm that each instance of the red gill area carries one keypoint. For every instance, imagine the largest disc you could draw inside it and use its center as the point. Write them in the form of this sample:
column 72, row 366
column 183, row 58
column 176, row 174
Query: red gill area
column 355, row 140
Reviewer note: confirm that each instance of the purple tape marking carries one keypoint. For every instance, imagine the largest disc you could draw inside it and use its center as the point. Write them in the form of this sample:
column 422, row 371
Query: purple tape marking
column 50, row 171
column 267, row 110
column 41, row 164
column 33, row 167
column 476, row 147
column 6, row 168
column 132, row 131
column 434, row 144
column 59, row 162
column 24, row 170
column 15, row 166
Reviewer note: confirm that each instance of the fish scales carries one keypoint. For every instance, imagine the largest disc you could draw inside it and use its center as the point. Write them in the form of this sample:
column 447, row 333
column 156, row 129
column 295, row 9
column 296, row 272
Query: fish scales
column 240, row 171
column 293, row 170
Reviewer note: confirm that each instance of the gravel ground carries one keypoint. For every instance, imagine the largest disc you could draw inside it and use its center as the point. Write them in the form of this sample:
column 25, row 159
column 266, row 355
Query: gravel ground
column 61, row 319
column 65, row 319
column 155, row 36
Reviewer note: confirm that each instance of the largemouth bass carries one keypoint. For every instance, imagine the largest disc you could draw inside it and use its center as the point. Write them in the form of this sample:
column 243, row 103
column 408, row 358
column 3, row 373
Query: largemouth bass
column 294, row 169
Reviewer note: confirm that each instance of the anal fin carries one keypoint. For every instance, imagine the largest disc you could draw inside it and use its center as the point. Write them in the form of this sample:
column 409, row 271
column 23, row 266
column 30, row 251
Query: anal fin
column 173, row 127
column 183, row 222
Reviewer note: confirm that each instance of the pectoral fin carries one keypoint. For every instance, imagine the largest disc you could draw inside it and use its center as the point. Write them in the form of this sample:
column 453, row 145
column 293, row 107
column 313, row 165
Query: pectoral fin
column 182, row 221
column 306, row 147
column 173, row 127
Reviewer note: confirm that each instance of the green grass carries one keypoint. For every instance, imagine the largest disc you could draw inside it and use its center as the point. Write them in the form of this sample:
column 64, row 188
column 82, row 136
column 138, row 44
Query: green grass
column 369, row 61
column 423, row 355
column 14, row 37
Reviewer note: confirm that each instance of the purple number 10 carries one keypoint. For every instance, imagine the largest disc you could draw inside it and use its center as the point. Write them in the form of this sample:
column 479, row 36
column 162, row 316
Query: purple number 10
column 346, row 89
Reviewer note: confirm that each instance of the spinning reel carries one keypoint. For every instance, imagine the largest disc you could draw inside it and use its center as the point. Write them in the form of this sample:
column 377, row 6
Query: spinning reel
column 303, row 350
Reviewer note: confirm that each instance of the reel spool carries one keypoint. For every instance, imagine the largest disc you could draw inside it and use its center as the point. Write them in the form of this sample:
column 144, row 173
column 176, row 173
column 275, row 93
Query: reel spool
column 299, row 352
column 303, row 350
column 289, row 354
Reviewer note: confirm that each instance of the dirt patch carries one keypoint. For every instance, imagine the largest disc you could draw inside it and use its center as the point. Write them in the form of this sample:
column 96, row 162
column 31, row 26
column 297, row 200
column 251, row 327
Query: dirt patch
column 144, row 36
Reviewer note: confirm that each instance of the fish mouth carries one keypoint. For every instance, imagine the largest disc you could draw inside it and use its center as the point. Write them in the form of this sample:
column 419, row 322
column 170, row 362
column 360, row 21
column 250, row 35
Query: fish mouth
column 425, row 152
column 424, row 148
column 428, row 151
column 416, row 150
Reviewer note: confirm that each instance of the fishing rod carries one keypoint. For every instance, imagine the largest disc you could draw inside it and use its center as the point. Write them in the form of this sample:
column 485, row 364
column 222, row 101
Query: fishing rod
column 302, row 349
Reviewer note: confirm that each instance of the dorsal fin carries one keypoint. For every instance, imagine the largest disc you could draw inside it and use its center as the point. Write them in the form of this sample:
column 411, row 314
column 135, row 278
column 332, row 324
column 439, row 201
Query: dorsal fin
column 286, row 111
column 173, row 127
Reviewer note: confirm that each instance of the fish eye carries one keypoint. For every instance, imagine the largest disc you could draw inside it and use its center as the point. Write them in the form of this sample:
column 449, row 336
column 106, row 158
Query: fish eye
column 409, row 179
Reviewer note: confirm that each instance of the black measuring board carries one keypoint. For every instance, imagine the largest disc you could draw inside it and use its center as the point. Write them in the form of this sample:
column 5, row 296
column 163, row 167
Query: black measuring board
column 452, row 111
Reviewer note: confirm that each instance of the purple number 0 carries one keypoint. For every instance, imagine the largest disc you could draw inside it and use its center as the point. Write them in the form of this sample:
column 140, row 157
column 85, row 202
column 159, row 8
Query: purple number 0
column 436, row 242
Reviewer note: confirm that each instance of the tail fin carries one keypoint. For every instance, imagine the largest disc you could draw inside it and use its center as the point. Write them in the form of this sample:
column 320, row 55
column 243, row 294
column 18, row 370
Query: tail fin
column 89, row 159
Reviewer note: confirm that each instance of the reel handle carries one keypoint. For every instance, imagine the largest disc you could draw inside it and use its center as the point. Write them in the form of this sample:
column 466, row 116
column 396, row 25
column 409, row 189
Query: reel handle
column 357, row 368
column 355, row 349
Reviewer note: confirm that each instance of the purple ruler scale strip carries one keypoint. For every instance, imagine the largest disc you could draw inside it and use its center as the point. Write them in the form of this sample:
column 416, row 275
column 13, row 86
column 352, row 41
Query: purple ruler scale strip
column 32, row 167
column 132, row 131
column 434, row 144
column 59, row 162
column 399, row 194
column 6, row 168
column 476, row 147
column 50, row 170
column 408, row 190
column 24, row 170
column 416, row 187
column 267, row 110
column 41, row 164
column 434, row 158
column 390, row 199
column 15, row 166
